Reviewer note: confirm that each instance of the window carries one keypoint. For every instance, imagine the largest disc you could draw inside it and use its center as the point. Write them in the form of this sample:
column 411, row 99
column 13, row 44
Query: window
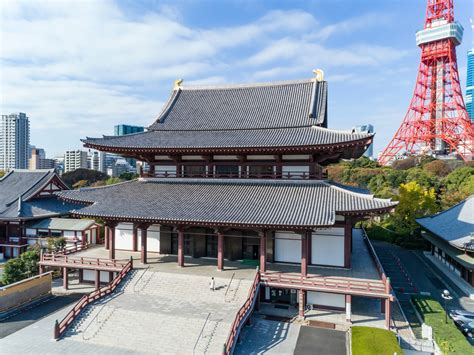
column 227, row 171
column 259, row 171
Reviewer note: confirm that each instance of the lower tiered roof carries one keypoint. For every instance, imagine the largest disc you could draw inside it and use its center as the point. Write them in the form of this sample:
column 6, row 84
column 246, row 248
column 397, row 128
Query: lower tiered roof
column 235, row 203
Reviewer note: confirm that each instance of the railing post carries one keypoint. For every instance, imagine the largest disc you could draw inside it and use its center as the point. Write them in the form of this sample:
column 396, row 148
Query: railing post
column 56, row 330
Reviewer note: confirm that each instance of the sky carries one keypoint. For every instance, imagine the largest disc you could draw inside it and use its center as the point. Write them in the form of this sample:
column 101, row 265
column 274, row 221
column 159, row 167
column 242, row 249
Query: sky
column 77, row 68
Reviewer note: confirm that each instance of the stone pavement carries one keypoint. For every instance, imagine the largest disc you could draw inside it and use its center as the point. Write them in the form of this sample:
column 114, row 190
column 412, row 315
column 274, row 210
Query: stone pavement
column 151, row 312
column 268, row 336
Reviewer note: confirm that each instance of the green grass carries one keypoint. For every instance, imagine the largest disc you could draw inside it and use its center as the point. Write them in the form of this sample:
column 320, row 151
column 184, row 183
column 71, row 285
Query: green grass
column 448, row 337
column 374, row 341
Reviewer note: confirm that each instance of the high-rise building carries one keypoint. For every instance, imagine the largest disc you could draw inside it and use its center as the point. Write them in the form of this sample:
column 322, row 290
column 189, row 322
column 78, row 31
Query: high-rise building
column 38, row 159
column 470, row 83
column 122, row 130
column 93, row 160
column 75, row 159
column 14, row 141
column 368, row 129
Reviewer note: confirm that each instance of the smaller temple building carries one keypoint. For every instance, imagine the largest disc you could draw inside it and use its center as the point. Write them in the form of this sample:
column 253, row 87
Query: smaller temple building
column 28, row 197
column 451, row 236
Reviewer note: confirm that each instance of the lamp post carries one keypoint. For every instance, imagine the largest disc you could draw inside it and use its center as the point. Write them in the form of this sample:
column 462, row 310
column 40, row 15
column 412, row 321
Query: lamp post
column 447, row 297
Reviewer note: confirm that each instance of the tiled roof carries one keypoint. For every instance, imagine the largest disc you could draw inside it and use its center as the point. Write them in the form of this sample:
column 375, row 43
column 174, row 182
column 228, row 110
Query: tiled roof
column 250, row 106
column 17, row 189
column 69, row 224
column 455, row 225
column 225, row 202
column 301, row 136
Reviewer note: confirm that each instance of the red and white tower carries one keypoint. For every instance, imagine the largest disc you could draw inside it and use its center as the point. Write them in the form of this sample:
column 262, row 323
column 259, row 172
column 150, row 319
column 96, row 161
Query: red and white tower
column 437, row 121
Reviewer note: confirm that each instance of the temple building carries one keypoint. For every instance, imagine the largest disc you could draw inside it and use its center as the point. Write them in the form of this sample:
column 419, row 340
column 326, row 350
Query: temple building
column 28, row 208
column 451, row 236
column 237, row 172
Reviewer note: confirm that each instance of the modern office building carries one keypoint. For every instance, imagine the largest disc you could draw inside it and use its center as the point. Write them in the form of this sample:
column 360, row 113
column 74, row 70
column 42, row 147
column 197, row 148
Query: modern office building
column 93, row 160
column 369, row 129
column 38, row 160
column 14, row 141
column 122, row 130
column 470, row 83
column 75, row 159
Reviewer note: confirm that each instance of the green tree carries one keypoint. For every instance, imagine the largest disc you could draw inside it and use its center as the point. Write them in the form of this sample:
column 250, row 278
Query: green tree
column 128, row 176
column 112, row 181
column 56, row 244
column 2, row 173
column 13, row 271
column 90, row 176
column 414, row 201
column 22, row 267
column 438, row 168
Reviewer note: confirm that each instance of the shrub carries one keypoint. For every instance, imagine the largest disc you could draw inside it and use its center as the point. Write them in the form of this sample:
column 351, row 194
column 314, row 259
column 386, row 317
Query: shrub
column 17, row 269
column 56, row 243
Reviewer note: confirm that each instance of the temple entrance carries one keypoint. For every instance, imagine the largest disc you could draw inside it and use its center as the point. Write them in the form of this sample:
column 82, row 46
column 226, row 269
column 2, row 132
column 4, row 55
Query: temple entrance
column 250, row 248
column 188, row 244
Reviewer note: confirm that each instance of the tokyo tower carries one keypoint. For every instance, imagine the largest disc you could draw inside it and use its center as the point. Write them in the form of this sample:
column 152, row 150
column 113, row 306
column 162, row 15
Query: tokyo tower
column 437, row 122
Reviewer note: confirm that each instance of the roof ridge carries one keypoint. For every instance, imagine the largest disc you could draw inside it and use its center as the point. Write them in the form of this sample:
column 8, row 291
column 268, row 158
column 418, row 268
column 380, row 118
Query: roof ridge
column 449, row 209
column 246, row 85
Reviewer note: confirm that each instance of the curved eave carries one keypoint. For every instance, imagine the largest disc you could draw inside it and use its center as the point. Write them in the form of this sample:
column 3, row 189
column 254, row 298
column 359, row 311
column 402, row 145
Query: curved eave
column 128, row 150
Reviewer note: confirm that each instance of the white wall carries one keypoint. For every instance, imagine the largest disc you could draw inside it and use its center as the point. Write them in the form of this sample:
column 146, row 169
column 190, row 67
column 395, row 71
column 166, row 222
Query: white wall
column 327, row 247
column 326, row 299
column 287, row 247
column 89, row 275
column 30, row 232
column 153, row 239
column 124, row 236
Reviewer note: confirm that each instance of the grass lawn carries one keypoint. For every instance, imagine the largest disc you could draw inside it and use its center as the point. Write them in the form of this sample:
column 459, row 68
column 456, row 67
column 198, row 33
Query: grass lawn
column 374, row 341
column 448, row 337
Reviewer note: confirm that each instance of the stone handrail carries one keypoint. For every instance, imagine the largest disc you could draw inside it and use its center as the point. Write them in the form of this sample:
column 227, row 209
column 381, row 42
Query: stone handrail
column 378, row 264
column 242, row 316
column 61, row 327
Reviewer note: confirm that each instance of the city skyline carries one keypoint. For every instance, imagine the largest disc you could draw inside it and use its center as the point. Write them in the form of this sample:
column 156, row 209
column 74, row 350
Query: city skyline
column 84, row 88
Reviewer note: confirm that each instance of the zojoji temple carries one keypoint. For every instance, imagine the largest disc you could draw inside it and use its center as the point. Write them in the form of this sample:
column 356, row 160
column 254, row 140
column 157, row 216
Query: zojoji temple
column 237, row 172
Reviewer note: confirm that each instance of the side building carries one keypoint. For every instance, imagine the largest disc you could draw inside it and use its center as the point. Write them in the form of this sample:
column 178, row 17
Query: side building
column 14, row 141
column 451, row 236
column 30, row 211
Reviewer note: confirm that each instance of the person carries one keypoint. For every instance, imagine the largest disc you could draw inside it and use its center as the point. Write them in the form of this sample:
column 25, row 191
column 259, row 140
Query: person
column 212, row 284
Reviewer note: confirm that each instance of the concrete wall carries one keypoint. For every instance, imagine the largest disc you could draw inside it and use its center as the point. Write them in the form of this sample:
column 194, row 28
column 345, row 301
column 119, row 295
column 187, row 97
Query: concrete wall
column 24, row 291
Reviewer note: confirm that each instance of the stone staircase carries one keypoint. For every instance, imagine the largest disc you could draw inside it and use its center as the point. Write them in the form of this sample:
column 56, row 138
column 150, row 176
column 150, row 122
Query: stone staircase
column 158, row 312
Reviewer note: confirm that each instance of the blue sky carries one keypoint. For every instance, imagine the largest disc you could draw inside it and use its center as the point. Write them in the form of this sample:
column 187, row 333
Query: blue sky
column 77, row 68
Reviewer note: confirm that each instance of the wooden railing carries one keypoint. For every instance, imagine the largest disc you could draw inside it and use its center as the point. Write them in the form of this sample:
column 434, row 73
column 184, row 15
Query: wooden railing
column 61, row 327
column 330, row 284
column 297, row 175
column 242, row 315
column 78, row 261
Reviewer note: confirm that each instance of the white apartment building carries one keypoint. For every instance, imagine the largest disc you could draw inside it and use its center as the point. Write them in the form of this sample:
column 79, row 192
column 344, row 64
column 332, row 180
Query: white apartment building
column 75, row 159
column 14, row 141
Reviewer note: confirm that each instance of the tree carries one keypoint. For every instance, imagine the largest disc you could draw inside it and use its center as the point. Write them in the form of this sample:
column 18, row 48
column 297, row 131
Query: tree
column 128, row 176
column 13, row 271
column 56, row 244
column 438, row 168
column 90, row 176
column 415, row 201
column 22, row 267
column 2, row 173
column 404, row 164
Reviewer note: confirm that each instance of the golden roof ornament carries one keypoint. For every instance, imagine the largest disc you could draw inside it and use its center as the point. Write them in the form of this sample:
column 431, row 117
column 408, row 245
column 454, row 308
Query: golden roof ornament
column 177, row 84
column 319, row 74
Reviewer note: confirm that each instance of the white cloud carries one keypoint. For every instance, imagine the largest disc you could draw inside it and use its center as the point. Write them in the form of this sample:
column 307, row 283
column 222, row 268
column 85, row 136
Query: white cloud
column 83, row 66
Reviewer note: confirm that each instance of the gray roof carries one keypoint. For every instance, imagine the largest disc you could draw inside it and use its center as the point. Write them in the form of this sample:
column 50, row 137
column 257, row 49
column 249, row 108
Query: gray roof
column 258, row 138
column 65, row 224
column 455, row 225
column 249, row 106
column 273, row 115
column 17, row 189
column 284, row 203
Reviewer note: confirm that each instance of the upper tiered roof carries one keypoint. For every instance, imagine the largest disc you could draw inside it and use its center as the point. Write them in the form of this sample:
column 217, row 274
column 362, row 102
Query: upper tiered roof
column 280, row 116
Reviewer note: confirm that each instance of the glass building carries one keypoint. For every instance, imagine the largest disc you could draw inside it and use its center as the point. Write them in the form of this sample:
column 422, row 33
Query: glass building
column 470, row 83
column 123, row 129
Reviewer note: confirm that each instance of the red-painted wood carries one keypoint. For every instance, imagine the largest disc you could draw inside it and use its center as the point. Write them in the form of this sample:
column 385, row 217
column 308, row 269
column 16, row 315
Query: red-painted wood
column 220, row 251
column 180, row 246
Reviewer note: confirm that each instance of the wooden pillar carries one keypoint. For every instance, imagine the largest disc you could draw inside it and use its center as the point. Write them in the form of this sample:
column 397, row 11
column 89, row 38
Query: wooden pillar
column 387, row 313
column 112, row 241
column 220, row 251
column 81, row 276
column 304, row 253
column 84, row 238
column 97, row 279
column 263, row 251
column 180, row 246
column 301, row 303
column 151, row 170
column 65, row 278
column 143, row 252
column 348, row 308
column 135, row 238
column 106, row 237
column 347, row 243
column 111, row 276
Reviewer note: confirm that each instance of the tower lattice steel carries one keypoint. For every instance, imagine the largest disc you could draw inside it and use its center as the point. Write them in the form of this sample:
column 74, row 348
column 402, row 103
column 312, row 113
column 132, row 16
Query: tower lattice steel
column 437, row 121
